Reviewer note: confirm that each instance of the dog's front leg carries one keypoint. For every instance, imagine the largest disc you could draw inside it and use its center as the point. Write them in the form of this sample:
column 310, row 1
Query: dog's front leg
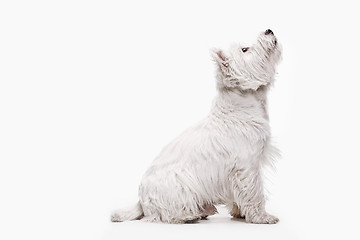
column 249, row 199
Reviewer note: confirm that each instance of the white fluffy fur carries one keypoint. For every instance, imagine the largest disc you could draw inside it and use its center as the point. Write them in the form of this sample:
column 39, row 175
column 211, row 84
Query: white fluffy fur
column 219, row 160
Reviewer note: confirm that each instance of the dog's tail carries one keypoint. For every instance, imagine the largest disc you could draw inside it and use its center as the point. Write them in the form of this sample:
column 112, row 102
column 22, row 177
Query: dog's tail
column 134, row 213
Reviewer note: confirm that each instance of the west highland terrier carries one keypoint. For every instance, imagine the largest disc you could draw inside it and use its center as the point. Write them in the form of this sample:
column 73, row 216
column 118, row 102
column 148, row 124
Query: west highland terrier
column 219, row 160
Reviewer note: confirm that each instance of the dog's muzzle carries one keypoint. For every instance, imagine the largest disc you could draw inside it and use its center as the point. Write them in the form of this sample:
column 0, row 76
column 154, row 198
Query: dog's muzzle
column 268, row 32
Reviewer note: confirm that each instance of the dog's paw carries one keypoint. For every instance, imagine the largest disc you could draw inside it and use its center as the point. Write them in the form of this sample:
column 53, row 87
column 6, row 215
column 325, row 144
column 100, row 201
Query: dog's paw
column 263, row 219
column 236, row 213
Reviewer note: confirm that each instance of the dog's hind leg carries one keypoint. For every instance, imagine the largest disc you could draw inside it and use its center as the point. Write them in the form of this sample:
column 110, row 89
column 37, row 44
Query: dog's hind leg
column 208, row 210
column 235, row 211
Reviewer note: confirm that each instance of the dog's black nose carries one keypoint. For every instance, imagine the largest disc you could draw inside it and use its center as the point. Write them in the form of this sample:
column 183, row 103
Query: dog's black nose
column 267, row 32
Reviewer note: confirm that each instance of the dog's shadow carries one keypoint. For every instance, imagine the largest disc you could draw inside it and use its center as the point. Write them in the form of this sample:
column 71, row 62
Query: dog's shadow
column 216, row 219
column 238, row 219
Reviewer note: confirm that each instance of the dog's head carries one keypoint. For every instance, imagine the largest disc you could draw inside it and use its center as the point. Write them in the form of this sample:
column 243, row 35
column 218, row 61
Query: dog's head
column 248, row 68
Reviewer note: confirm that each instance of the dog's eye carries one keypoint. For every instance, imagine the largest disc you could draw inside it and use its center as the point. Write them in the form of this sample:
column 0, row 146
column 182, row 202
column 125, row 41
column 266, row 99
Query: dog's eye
column 244, row 49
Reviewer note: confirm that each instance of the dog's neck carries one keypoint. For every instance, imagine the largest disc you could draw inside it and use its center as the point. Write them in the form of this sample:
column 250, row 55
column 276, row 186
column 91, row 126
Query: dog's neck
column 234, row 99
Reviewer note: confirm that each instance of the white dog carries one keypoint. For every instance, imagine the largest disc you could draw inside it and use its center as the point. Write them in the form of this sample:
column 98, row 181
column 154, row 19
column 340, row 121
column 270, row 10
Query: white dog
column 220, row 160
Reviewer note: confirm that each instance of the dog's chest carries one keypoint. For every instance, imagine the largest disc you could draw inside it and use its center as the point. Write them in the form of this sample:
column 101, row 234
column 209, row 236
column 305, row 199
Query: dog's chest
column 244, row 130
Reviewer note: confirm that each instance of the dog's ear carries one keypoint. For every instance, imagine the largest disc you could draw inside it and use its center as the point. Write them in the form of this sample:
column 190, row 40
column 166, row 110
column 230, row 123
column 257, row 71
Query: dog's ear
column 228, row 78
column 221, row 60
column 223, row 63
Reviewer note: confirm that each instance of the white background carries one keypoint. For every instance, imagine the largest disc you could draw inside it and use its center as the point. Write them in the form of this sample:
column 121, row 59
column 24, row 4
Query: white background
column 90, row 92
